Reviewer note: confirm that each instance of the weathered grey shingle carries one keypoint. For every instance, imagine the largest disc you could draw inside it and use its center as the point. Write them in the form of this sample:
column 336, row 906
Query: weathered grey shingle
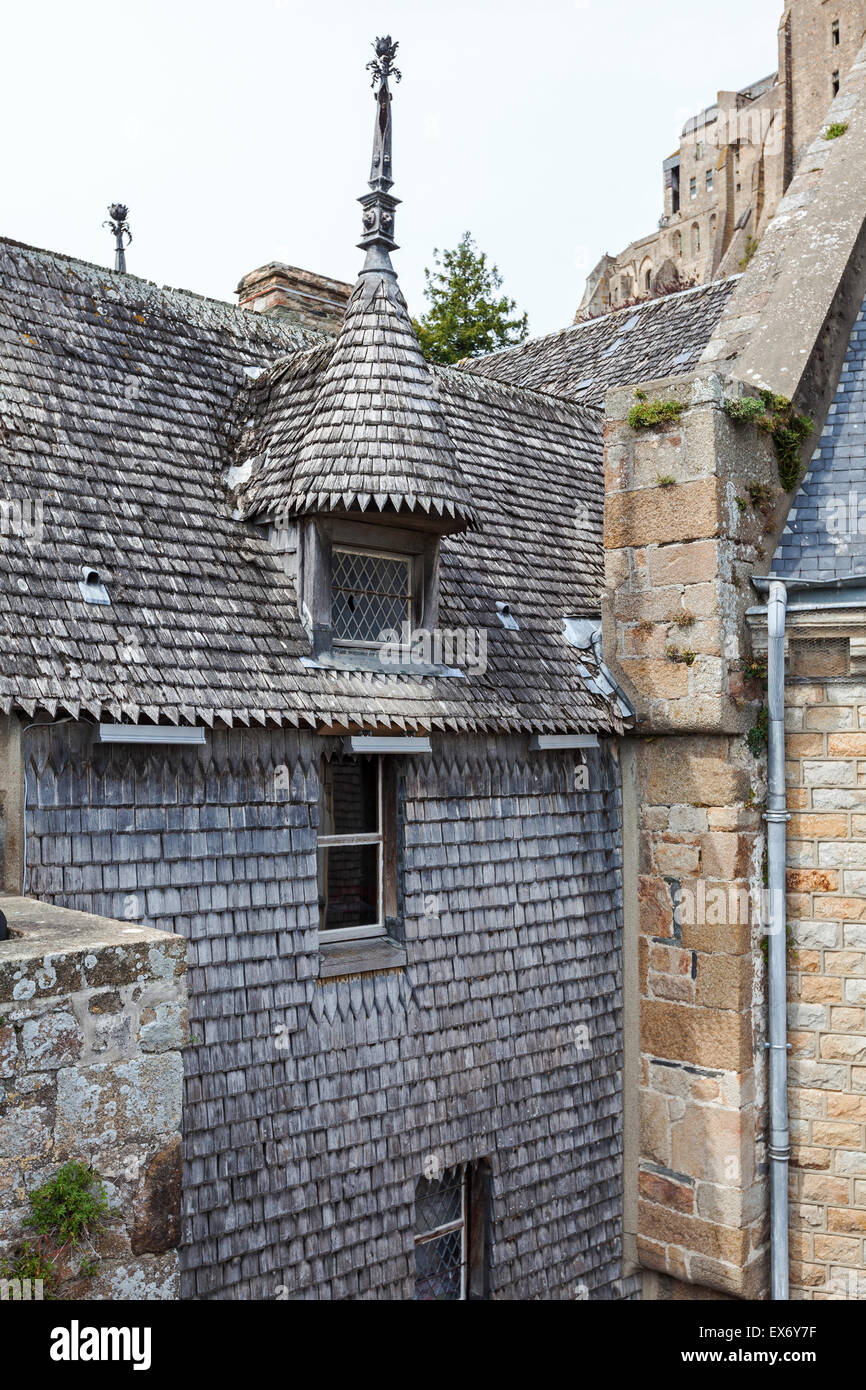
column 662, row 337
column 376, row 436
column 122, row 452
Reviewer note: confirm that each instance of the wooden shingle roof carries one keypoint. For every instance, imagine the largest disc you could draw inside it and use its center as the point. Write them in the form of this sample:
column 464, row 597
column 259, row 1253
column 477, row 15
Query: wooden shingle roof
column 119, row 423
column 661, row 337
column 375, row 437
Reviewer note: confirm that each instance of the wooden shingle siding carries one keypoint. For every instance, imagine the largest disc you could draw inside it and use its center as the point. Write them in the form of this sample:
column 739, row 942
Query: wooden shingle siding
column 312, row 1107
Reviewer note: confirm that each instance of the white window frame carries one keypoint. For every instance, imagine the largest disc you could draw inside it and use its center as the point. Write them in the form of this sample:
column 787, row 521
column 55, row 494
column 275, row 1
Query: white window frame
column 693, row 187
column 709, row 180
column 376, row 928
column 461, row 1225
column 408, row 560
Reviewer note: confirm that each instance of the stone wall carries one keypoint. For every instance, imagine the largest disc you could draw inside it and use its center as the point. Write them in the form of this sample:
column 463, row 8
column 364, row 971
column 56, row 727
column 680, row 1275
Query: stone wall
column 826, row 774
column 679, row 553
column 813, row 57
column 92, row 1020
column 314, row 1105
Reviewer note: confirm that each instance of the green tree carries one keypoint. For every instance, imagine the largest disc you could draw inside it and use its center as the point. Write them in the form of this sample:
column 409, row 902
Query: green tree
column 466, row 318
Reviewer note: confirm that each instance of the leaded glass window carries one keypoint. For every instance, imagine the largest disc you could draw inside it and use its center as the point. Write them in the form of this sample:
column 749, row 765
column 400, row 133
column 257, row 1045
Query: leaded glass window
column 441, row 1237
column 371, row 593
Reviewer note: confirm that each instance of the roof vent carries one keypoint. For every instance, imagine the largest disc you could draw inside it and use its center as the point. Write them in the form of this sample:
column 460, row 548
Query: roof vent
column 506, row 617
column 91, row 587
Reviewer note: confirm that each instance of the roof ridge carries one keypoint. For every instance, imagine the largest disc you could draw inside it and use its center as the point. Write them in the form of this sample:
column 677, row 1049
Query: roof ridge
column 127, row 279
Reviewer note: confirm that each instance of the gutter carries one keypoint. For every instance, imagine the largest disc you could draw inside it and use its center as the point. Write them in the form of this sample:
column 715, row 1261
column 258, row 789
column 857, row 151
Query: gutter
column 776, row 817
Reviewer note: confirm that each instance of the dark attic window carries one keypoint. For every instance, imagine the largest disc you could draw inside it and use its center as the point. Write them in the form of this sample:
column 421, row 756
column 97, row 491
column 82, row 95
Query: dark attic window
column 371, row 595
column 357, row 848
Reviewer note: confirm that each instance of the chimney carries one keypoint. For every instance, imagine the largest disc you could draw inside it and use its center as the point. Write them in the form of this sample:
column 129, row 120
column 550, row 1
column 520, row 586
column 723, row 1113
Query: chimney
column 300, row 296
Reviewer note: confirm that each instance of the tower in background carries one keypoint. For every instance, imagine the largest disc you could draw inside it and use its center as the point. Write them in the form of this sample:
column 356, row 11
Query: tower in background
column 734, row 162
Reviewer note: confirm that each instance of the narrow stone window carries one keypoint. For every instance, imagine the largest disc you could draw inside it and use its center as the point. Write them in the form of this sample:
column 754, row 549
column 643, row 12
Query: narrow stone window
column 696, row 239
column 699, row 150
column 834, row 33
column 835, row 83
column 709, row 180
column 371, row 594
column 451, row 1240
column 693, row 188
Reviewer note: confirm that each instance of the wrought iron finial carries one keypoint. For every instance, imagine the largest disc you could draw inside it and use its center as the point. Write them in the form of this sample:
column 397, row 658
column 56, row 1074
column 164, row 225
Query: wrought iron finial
column 118, row 214
column 382, row 66
column 379, row 205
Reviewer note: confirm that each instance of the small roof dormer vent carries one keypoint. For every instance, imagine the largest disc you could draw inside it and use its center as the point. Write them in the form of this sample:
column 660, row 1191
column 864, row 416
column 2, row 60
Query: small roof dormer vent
column 91, row 587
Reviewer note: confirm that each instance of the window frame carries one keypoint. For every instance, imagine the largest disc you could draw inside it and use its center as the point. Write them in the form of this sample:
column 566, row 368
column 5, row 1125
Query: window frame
column 474, row 1223
column 693, row 187
column 461, row 1225
column 366, row 931
column 356, row 643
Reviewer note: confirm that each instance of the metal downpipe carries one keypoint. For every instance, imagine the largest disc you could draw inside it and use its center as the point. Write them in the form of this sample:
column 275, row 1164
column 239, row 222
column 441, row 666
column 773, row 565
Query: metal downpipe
column 776, row 817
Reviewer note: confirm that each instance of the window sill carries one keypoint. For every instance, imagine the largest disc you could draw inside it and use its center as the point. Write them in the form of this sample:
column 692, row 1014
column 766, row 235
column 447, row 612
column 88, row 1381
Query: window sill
column 360, row 957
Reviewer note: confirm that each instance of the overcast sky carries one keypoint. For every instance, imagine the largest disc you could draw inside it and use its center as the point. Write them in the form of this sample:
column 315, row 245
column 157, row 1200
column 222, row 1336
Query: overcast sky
column 239, row 131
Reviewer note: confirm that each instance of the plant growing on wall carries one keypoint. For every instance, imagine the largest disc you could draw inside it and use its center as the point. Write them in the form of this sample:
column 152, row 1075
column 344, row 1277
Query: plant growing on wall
column 787, row 428
column 836, row 129
column 64, row 1214
column 645, row 414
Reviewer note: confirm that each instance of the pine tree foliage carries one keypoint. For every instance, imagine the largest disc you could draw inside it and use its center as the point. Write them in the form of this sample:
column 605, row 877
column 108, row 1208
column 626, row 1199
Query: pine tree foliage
column 466, row 317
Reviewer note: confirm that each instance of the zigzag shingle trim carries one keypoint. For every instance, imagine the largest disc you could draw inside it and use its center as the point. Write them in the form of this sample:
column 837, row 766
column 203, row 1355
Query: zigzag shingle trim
column 376, row 436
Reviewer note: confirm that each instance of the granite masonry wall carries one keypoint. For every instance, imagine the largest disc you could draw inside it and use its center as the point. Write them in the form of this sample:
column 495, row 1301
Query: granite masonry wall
column 92, row 1022
column 826, row 774
column 313, row 1106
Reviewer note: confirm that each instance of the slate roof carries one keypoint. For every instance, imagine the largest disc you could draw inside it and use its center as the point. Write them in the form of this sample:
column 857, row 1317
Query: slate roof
column 376, row 436
column 659, row 338
column 825, row 533
column 118, row 412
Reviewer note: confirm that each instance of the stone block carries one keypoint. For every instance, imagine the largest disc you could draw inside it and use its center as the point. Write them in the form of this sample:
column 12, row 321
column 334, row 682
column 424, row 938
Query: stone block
column 51, row 1040
column 688, row 511
column 106, row 1105
column 156, row 1225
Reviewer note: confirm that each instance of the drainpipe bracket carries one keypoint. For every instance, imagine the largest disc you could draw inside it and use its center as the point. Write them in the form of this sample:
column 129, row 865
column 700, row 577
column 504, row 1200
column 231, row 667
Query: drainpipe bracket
column 776, row 817
column 779, row 1155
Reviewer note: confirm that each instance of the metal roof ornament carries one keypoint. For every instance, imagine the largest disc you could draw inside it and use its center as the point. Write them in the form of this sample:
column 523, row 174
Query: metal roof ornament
column 118, row 213
column 377, row 237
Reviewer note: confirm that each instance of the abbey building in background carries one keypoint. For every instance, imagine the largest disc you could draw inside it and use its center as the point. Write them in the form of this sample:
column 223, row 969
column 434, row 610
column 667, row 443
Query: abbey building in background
column 734, row 162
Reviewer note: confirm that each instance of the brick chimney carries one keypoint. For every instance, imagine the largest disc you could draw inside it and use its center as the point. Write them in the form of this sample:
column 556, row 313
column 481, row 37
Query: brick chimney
column 304, row 298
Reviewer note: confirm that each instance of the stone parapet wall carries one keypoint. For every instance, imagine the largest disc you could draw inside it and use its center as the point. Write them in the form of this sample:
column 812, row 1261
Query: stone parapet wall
column 92, row 1022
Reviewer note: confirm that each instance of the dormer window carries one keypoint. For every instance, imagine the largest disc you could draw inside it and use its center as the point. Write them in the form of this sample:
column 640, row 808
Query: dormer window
column 371, row 594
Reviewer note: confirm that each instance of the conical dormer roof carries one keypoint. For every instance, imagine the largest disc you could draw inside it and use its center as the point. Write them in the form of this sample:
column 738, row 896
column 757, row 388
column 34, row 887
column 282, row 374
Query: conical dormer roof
column 377, row 439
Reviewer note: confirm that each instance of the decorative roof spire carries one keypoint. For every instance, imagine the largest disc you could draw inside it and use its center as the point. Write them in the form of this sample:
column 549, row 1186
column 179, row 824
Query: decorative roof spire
column 376, row 440
column 377, row 237
column 118, row 213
